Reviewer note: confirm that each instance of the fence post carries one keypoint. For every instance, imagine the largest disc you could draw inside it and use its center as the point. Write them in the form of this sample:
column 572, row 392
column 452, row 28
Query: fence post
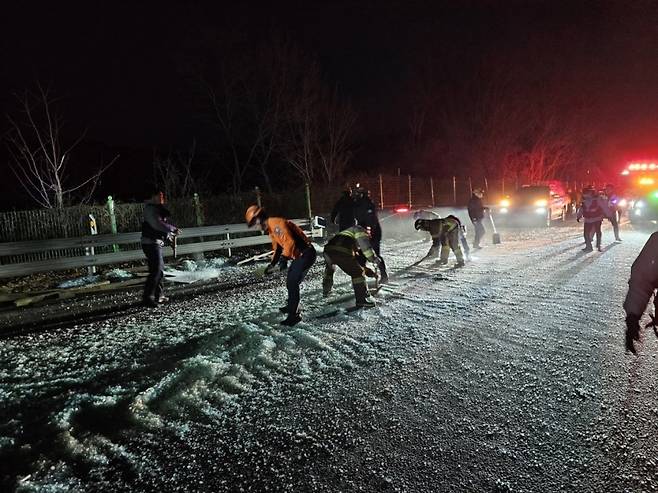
column 90, row 250
column 486, row 185
column 381, row 192
column 470, row 185
column 454, row 190
column 113, row 220
column 258, row 197
column 432, row 190
column 307, row 190
column 198, row 214
column 409, row 181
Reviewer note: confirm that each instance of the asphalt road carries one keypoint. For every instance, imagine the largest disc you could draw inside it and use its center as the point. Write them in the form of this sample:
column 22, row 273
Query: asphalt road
column 506, row 375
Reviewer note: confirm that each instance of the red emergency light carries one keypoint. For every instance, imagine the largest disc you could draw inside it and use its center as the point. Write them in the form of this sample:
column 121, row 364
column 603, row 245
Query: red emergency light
column 401, row 209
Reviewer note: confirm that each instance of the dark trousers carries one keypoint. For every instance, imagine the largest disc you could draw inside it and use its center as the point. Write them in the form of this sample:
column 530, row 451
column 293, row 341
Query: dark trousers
column 479, row 233
column 376, row 242
column 590, row 230
column 349, row 264
column 614, row 220
column 155, row 261
column 296, row 273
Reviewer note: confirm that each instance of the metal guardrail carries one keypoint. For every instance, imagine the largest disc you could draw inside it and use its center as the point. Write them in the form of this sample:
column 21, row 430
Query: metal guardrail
column 25, row 268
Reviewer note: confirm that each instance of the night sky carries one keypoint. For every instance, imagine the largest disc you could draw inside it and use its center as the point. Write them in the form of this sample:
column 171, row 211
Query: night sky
column 117, row 64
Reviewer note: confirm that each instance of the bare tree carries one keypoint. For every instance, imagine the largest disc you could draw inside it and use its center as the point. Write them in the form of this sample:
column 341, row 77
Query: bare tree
column 334, row 147
column 40, row 156
column 173, row 173
column 300, row 143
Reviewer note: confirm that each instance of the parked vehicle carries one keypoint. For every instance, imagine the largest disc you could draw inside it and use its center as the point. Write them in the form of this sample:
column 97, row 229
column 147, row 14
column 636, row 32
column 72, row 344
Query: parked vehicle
column 532, row 205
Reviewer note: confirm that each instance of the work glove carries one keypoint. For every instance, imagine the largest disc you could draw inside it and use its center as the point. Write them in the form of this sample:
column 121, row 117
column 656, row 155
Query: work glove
column 577, row 219
column 632, row 332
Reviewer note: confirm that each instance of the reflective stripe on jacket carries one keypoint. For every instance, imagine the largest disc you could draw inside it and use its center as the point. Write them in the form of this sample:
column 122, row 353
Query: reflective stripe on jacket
column 350, row 240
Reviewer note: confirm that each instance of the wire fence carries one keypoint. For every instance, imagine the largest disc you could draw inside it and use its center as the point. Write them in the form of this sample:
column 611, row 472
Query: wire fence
column 386, row 191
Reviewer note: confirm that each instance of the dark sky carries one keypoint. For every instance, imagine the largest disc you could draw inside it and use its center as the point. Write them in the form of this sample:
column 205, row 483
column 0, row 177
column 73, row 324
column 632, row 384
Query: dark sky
column 115, row 63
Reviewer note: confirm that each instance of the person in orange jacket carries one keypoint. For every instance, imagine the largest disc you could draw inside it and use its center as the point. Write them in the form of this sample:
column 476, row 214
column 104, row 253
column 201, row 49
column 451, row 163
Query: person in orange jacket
column 289, row 243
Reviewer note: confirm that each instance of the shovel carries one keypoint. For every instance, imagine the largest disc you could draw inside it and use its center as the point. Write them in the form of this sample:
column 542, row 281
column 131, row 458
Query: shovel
column 496, row 235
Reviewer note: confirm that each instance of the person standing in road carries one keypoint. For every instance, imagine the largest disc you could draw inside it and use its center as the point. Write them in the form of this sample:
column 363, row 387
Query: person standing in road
column 613, row 206
column 343, row 251
column 476, row 213
column 156, row 233
column 288, row 242
column 365, row 213
column 344, row 210
column 592, row 210
column 641, row 286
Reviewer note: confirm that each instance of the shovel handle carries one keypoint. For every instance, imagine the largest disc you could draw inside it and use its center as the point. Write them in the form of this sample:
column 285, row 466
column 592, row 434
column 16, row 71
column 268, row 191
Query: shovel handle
column 493, row 225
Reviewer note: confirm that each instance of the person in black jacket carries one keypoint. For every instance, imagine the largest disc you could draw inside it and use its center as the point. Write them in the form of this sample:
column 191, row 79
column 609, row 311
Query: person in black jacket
column 641, row 287
column 344, row 210
column 476, row 213
column 156, row 233
column 365, row 213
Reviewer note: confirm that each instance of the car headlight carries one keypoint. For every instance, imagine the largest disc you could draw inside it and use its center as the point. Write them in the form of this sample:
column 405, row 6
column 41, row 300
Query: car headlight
column 540, row 210
column 638, row 212
column 639, row 204
column 503, row 210
column 541, row 203
column 623, row 203
column 504, row 203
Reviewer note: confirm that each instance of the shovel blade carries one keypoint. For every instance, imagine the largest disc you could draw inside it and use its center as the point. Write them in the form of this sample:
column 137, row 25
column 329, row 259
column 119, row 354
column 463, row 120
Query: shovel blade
column 496, row 239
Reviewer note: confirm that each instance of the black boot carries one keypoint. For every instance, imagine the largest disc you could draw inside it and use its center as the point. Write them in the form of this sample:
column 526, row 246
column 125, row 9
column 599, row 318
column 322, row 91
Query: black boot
column 361, row 294
column 292, row 319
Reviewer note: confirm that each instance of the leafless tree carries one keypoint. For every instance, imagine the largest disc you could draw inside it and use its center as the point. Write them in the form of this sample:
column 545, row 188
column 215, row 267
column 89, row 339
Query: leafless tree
column 300, row 141
column 40, row 155
column 334, row 147
column 174, row 173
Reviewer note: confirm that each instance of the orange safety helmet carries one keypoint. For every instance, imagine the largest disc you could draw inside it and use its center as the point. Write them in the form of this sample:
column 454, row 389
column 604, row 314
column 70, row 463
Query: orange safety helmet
column 253, row 211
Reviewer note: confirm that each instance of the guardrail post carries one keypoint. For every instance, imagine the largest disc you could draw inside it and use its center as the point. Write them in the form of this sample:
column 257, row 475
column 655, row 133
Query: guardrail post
column 113, row 220
column 381, row 192
column 454, row 190
column 90, row 250
column 228, row 237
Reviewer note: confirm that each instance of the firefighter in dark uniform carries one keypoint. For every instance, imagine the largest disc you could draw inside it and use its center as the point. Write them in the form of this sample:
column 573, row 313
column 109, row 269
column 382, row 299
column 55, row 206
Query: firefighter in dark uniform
column 289, row 243
column 613, row 206
column 156, row 233
column 344, row 210
column 641, row 285
column 592, row 210
column 365, row 213
column 476, row 213
column 446, row 234
column 343, row 251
